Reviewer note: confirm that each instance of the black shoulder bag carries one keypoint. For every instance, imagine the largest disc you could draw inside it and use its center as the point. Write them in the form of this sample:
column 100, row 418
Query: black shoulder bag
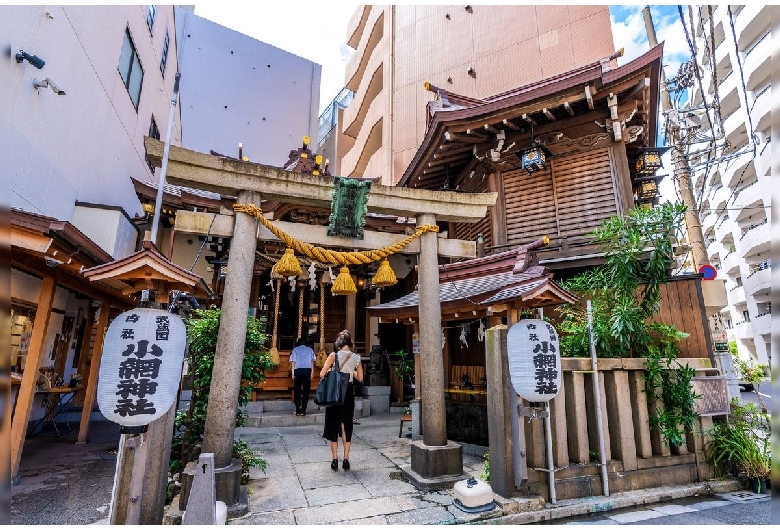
column 332, row 389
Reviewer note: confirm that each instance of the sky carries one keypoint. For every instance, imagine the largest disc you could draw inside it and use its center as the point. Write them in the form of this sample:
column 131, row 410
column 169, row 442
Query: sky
column 317, row 31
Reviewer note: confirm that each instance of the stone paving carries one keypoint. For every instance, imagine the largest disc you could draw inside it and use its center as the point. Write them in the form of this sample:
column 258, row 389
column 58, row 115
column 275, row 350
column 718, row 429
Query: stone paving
column 64, row 483
column 299, row 487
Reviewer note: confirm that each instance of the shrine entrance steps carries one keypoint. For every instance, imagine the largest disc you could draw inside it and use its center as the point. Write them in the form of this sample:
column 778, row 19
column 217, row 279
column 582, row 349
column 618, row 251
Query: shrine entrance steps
column 281, row 413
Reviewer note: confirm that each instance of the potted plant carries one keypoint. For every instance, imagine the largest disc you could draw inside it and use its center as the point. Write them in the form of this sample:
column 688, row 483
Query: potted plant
column 751, row 376
column 403, row 368
column 742, row 443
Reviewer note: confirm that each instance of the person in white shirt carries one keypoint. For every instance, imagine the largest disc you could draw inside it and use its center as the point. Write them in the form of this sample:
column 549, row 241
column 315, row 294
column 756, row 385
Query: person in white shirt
column 302, row 368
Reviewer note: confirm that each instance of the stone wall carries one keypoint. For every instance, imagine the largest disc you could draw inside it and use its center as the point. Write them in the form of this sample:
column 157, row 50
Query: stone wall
column 636, row 457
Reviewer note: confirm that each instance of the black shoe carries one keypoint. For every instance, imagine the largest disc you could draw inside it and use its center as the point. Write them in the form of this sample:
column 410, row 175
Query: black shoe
column 334, row 464
column 345, row 464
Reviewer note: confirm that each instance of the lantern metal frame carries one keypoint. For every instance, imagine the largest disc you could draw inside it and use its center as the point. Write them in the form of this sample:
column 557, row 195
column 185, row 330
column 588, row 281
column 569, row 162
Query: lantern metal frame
column 648, row 160
column 537, row 162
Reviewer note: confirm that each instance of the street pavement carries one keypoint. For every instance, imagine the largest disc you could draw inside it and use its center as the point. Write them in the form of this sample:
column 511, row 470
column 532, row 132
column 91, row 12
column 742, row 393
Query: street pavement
column 736, row 508
column 63, row 483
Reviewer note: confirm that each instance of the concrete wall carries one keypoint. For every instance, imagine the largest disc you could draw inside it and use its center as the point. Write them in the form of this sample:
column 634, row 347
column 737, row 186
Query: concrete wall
column 507, row 46
column 238, row 89
column 111, row 229
column 85, row 145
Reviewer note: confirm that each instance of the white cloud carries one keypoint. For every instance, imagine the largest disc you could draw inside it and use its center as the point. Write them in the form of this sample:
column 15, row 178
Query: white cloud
column 632, row 35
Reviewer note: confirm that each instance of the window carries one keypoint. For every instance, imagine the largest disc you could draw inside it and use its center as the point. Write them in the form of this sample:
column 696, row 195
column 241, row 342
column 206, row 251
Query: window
column 746, row 316
column 130, row 69
column 154, row 132
column 150, row 15
column 164, row 58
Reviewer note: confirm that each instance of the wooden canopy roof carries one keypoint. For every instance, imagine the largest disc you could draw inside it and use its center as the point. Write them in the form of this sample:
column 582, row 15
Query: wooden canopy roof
column 485, row 286
column 462, row 131
column 148, row 269
column 47, row 247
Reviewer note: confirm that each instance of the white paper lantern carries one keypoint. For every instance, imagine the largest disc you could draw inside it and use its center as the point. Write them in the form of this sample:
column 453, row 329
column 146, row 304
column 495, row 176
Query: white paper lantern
column 140, row 369
column 534, row 360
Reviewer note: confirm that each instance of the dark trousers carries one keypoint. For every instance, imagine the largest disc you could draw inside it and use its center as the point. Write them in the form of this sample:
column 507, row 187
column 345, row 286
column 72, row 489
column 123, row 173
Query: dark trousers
column 301, row 388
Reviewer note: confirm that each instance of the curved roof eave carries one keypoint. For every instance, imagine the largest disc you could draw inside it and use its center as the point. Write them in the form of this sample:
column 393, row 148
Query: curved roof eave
column 522, row 95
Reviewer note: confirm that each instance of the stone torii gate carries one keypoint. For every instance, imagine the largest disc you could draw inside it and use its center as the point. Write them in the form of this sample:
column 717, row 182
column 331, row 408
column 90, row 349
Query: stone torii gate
column 433, row 457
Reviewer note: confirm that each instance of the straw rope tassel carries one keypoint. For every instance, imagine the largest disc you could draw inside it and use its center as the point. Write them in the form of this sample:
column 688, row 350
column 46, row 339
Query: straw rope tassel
column 385, row 275
column 274, row 352
column 288, row 264
column 343, row 283
column 321, row 355
column 300, row 313
column 324, row 255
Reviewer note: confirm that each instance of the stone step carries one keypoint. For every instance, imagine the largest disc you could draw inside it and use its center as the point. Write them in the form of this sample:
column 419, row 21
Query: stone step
column 280, row 405
column 286, row 419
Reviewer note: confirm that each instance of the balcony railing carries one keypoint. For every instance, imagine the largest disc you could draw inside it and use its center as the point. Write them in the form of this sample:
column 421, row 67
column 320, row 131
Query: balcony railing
column 766, row 264
column 751, row 227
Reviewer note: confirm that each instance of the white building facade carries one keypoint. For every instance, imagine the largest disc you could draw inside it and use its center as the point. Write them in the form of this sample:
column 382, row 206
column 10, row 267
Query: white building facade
column 735, row 192
column 237, row 89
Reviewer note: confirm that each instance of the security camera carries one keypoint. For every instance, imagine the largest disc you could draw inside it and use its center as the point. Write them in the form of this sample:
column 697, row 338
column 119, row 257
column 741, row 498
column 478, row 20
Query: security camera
column 32, row 59
column 48, row 82
column 52, row 262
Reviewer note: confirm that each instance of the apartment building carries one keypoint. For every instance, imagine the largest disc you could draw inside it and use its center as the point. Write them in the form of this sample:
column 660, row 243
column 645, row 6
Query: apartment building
column 734, row 190
column 475, row 51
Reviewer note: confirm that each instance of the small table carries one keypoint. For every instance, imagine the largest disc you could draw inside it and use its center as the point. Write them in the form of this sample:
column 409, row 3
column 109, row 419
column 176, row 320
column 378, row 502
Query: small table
column 55, row 399
column 472, row 393
column 404, row 418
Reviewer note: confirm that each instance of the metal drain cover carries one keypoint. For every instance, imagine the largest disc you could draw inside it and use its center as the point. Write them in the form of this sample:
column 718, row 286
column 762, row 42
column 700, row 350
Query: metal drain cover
column 742, row 496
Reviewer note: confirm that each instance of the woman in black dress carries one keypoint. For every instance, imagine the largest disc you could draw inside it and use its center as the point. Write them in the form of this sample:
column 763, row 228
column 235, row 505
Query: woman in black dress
column 338, row 419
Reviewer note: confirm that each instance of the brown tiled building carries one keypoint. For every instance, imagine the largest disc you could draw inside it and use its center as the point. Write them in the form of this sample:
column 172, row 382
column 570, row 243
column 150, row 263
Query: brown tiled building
column 475, row 51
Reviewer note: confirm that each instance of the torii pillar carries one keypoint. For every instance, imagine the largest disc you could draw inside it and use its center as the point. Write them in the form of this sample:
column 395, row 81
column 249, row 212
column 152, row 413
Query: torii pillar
column 436, row 463
column 229, row 357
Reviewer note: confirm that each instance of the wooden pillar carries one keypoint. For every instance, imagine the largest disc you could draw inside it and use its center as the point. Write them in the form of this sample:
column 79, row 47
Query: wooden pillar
column 350, row 315
column 94, row 370
column 26, row 393
column 171, row 238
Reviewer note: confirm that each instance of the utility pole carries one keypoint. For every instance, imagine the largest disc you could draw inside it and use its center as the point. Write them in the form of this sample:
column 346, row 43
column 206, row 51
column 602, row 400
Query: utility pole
column 682, row 171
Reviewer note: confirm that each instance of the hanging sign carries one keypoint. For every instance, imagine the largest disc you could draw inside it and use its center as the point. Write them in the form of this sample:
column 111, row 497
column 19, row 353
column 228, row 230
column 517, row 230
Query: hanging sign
column 141, row 366
column 348, row 207
column 534, row 360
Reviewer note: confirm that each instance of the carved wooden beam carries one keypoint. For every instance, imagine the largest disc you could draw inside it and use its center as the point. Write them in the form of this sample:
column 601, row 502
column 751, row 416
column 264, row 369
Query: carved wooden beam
column 511, row 125
column 458, row 137
column 530, row 120
column 589, row 93
column 491, row 129
column 549, row 114
column 568, row 109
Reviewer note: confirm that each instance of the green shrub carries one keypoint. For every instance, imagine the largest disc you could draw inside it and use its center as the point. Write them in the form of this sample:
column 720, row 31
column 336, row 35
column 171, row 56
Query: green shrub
column 202, row 332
